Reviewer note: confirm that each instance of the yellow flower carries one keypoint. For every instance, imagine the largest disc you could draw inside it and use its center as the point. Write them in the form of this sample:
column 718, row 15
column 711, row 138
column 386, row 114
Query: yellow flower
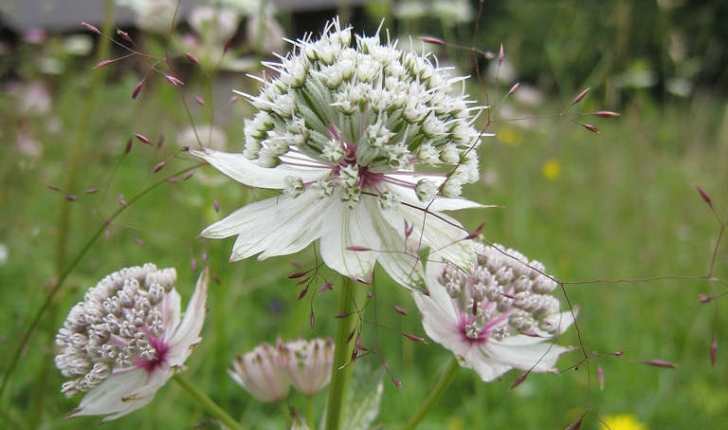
column 509, row 136
column 551, row 169
column 622, row 422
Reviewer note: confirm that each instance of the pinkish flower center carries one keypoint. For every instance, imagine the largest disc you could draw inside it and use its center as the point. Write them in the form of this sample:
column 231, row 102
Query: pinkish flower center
column 160, row 357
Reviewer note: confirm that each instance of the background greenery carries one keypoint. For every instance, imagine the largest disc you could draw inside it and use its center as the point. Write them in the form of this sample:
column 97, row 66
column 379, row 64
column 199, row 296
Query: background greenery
column 617, row 205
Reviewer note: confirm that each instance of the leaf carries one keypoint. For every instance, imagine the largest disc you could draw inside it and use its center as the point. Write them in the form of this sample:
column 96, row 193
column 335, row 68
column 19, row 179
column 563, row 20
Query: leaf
column 363, row 398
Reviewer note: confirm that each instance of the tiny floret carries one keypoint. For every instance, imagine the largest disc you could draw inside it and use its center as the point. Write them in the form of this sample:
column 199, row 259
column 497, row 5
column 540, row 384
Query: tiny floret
column 126, row 339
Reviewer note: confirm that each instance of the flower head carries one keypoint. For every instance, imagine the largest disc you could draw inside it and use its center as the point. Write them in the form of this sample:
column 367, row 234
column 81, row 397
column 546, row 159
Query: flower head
column 497, row 315
column 267, row 372
column 126, row 339
column 342, row 130
column 308, row 363
column 262, row 373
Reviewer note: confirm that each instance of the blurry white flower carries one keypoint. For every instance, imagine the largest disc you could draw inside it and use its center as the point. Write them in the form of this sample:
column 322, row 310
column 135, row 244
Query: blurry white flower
column 452, row 12
column 410, row 9
column 216, row 24
column 272, row 33
column 78, row 44
column 262, row 373
column 34, row 99
column 154, row 16
column 206, row 135
column 3, row 254
column 308, row 363
column 341, row 130
column 496, row 316
column 126, row 339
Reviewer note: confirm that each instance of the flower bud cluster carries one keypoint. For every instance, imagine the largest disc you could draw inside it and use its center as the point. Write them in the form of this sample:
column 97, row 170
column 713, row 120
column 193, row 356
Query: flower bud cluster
column 365, row 110
column 504, row 295
column 117, row 326
column 267, row 372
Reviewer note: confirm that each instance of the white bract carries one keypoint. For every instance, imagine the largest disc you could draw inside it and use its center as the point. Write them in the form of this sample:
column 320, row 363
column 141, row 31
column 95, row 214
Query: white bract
column 126, row 339
column 496, row 316
column 368, row 144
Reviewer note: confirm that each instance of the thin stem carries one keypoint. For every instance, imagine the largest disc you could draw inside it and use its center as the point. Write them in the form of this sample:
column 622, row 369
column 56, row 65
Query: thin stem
column 203, row 400
column 309, row 412
column 434, row 396
column 64, row 219
column 341, row 369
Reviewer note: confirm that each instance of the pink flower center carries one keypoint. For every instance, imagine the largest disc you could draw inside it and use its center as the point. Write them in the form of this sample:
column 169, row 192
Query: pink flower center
column 160, row 357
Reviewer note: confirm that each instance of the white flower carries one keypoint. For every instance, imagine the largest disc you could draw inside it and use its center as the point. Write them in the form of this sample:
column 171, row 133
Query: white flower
column 348, row 123
column 215, row 24
column 155, row 16
column 496, row 316
column 262, row 373
column 126, row 339
column 308, row 363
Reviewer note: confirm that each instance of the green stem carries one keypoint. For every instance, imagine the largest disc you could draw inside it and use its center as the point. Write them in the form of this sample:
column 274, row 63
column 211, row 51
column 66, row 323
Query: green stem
column 434, row 396
column 207, row 403
column 341, row 369
column 309, row 412
column 64, row 220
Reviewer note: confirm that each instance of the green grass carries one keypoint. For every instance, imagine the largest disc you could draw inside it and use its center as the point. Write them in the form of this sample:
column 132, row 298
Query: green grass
column 623, row 207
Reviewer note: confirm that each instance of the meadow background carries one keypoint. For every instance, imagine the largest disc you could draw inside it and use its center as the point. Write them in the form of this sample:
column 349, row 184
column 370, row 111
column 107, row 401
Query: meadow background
column 617, row 208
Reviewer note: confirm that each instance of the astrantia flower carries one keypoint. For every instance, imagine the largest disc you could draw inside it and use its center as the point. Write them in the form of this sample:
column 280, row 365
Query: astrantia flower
column 262, row 372
column 497, row 316
column 308, row 363
column 126, row 339
column 341, row 130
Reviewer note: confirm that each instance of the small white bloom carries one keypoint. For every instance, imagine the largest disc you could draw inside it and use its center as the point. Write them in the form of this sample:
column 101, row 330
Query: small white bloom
column 154, row 16
column 357, row 123
column 495, row 317
column 262, row 372
column 308, row 363
column 126, row 339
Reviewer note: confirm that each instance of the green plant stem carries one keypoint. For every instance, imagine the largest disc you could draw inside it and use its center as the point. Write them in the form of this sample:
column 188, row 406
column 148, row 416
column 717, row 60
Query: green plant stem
column 207, row 403
column 437, row 391
column 341, row 369
column 52, row 293
column 64, row 220
column 309, row 412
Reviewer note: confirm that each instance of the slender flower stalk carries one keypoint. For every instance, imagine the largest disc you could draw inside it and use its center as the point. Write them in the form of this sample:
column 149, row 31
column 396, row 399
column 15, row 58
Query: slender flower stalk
column 368, row 144
column 496, row 316
column 126, row 339
column 437, row 391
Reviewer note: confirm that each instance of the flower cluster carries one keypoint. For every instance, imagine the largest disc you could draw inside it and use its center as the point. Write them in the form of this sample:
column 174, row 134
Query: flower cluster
column 126, row 339
column 497, row 315
column 267, row 372
column 341, row 130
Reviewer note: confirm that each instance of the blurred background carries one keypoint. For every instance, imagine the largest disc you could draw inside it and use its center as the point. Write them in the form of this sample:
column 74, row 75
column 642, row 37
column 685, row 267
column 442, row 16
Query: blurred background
column 615, row 214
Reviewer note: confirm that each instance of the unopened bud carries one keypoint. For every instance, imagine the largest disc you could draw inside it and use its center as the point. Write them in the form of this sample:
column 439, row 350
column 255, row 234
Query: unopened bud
column 606, row 114
column 705, row 196
column 660, row 363
column 174, row 81
column 432, row 40
column 522, row 377
column 591, row 128
column 159, row 167
column 91, row 27
column 142, row 138
column 580, row 96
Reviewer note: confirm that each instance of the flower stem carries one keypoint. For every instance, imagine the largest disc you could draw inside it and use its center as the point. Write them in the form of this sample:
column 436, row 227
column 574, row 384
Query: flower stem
column 341, row 369
column 207, row 403
column 434, row 396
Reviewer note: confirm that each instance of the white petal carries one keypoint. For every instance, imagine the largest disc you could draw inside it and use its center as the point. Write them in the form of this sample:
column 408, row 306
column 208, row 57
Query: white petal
column 408, row 196
column 239, row 168
column 440, row 317
column 539, row 357
column 122, row 393
column 187, row 334
column 275, row 226
column 171, row 310
column 342, row 228
column 440, row 232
